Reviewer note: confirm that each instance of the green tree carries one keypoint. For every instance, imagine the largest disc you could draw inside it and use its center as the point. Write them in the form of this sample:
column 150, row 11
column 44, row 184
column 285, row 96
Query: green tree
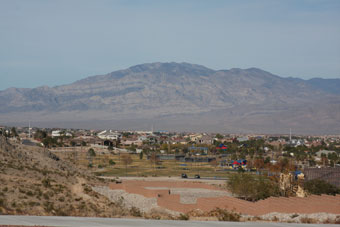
column 132, row 148
column 40, row 135
column 49, row 142
column 14, row 132
column 111, row 162
column 267, row 160
column 91, row 152
column 219, row 136
column 333, row 157
column 141, row 155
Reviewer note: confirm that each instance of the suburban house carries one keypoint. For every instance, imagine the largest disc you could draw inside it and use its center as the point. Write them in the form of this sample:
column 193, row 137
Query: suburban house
column 109, row 135
column 205, row 140
column 132, row 141
column 242, row 139
column 58, row 133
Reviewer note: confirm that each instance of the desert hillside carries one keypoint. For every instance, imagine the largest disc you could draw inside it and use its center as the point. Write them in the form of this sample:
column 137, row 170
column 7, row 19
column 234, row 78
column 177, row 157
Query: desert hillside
column 36, row 182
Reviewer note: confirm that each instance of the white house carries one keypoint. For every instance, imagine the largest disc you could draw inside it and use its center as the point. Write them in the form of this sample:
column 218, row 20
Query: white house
column 56, row 133
column 109, row 135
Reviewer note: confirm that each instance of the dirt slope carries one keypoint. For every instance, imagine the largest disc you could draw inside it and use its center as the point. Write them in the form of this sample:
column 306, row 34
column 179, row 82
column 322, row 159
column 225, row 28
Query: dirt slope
column 37, row 182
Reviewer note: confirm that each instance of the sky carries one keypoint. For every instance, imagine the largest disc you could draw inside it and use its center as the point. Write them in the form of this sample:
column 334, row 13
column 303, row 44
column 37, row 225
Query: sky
column 50, row 42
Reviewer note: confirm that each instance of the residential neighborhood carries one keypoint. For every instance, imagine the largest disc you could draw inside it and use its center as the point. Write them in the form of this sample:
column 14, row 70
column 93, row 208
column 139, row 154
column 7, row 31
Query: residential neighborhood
column 228, row 152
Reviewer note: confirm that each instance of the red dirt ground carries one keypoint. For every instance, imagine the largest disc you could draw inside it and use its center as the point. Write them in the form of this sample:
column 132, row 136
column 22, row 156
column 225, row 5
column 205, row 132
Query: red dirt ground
column 310, row 204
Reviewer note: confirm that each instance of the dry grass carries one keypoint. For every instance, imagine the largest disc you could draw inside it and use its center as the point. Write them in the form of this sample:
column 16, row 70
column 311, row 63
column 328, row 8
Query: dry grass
column 101, row 166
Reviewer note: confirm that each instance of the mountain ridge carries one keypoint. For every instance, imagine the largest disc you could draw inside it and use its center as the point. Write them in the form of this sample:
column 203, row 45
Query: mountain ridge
column 154, row 90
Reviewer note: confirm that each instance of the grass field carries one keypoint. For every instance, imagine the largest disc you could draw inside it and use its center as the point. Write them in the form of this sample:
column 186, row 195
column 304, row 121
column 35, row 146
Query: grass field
column 141, row 167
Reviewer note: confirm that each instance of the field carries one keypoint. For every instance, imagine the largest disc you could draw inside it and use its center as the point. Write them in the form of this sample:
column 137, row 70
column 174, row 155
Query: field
column 140, row 167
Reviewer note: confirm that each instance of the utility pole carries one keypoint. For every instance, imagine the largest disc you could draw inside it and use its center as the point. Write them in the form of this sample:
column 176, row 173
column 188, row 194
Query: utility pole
column 29, row 129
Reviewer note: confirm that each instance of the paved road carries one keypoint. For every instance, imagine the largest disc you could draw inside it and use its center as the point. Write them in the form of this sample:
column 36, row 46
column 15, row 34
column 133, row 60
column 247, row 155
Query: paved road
column 120, row 222
column 171, row 179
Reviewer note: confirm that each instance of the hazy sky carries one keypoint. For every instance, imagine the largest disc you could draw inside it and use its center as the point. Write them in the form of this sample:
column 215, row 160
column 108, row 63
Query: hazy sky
column 57, row 42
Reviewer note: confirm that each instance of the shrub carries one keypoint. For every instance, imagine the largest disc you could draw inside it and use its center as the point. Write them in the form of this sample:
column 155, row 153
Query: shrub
column 294, row 216
column 45, row 195
column 60, row 212
column 252, row 187
column 87, row 189
column 319, row 187
column 38, row 192
column 225, row 215
column 32, row 203
column 183, row 217
column 2, row 202
column 18, row 210
column 134, row 211
column 48, row 206
column 46, row 182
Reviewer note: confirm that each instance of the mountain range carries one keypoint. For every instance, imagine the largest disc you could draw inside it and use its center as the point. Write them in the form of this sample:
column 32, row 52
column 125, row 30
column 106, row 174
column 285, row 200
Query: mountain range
column 181, row 97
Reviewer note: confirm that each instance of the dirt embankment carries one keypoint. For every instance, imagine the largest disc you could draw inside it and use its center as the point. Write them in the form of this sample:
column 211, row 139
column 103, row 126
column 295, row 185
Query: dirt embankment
column 37, row 182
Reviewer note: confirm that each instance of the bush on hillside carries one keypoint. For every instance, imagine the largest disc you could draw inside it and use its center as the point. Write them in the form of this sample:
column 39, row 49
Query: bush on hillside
column 319, row 187
column 252, row 187
column 225, row 215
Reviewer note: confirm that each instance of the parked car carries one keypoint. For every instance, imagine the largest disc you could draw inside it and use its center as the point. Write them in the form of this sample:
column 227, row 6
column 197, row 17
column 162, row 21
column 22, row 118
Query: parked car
column 184, row 175
column 197, row 176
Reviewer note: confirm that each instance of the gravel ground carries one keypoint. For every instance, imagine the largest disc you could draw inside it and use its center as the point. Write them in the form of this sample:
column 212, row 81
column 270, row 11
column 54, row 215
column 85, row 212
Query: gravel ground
column 190, row 195
column 301, row 218
column 128, row 200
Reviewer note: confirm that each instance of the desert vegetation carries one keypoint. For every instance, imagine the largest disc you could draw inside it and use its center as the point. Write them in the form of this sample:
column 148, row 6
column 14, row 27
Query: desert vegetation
column 252, row 187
